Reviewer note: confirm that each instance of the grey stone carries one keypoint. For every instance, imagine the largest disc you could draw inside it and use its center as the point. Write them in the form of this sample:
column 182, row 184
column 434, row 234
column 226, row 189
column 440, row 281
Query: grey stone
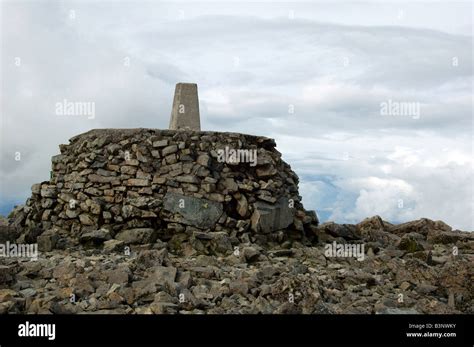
column 187, row 179
column 86, row 219
column 242, row 206
column 47, row 240
column 138, row 182
column 137, row 236
column 164, row 297
column 129, row 211
column 28, row 292
column 119, row 275
column 9, row 233
column 200, row 213
column 266, row 171
column 100, row 179
column 451, row 237
column 151, row 257
column 238, row 287
column 143, row 175
column 426, row 288
column 267, row 218
column 185, row 279
column 203, row 160
column 6, row 273
column 128, row 170
column 165, row 275
column 346, row 231
column 113, row 245
column 36, row 188
column 163, row 307
column 106, row 173
column 73, row 213
column 230, row 185
column 160, row 143
column 95, row 208
column 169, row 150
column 410, row 243
column 250, row 253
column 48, row 192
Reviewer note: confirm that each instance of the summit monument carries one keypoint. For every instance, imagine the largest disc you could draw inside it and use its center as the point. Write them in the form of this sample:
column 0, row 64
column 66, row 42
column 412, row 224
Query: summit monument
column 185, row 111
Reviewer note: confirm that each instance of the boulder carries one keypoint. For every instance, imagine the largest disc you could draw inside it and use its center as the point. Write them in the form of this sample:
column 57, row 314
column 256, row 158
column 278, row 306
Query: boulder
column 113, row 245
column 267, row 218
column 47, row 240
column 137, row 236
column 95, row 237
column 200, row 213
column 411, row 242
column 346, row 231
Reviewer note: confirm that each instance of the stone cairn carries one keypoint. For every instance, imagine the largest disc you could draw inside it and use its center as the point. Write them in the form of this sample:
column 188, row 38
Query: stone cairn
column 206, row 190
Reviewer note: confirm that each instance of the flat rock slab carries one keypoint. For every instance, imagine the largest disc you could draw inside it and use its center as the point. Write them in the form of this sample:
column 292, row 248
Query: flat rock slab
column 268, row 218
column 200, row 213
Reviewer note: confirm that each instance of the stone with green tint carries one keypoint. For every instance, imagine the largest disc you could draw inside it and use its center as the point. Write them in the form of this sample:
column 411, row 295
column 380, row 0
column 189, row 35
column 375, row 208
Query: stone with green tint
column 201, row 213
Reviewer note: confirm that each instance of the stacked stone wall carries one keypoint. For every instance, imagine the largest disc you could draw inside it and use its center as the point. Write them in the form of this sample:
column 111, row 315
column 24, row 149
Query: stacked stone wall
column 142, row 185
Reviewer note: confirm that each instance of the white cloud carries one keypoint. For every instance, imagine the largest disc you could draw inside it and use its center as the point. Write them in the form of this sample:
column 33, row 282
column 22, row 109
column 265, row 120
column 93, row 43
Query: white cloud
column 432, row 177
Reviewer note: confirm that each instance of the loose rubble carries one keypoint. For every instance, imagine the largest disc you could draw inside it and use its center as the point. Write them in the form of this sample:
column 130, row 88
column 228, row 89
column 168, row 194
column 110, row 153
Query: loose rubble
column 152, row 279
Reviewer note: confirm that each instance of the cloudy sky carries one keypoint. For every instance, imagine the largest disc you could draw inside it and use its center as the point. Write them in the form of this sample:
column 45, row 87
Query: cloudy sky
column 313, row 75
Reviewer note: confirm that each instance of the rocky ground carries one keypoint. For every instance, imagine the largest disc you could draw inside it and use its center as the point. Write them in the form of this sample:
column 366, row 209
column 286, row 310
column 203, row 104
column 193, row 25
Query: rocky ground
column 416, row 267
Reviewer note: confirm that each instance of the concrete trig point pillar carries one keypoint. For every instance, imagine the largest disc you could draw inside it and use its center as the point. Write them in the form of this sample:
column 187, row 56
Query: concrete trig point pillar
column 185, row 111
